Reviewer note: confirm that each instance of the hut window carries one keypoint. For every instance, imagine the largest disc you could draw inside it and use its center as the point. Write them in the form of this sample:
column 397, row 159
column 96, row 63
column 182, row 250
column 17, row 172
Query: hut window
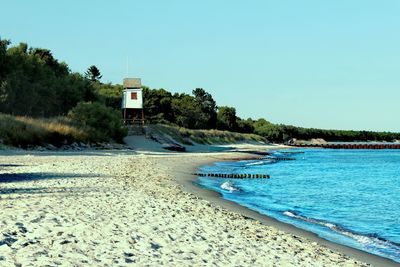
column 134, row 95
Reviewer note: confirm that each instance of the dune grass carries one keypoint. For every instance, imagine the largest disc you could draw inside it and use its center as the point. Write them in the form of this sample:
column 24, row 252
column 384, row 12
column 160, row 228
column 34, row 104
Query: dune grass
column 188, row 136
column 19, row 131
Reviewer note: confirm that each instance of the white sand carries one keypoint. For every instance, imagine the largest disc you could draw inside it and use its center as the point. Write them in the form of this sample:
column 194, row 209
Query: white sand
column 116, row 209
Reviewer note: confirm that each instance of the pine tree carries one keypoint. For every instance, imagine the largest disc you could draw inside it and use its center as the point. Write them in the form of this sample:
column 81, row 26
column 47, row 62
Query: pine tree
column 93, row 74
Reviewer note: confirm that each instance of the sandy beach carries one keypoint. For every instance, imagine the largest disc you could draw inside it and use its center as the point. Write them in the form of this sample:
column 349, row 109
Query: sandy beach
column 123, row 208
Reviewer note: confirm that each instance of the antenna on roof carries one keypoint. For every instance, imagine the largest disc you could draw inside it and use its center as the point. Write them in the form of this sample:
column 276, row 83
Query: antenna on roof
column 127, row 66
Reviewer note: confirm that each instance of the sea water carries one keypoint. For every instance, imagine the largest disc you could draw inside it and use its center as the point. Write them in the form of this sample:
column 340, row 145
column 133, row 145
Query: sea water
column 351, row 197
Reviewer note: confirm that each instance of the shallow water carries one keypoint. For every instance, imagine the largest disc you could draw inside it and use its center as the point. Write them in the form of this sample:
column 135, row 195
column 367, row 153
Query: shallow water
column 351, row 197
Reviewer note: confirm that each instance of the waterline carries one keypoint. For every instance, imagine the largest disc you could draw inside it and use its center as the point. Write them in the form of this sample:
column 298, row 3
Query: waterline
column 348, row 197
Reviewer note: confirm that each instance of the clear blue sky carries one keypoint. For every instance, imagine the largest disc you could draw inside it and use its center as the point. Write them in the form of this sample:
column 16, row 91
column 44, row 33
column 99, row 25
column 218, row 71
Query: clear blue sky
column 327, row 64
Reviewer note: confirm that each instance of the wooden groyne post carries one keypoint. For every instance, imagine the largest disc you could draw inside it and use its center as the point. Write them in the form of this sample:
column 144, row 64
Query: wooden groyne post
column 234, row 175
column 280, row 158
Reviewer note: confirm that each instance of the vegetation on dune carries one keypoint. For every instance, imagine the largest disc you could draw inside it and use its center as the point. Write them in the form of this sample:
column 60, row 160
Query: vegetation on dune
column 282, row 133
column 190, row 136
column 194, row 112
column 226, row 119
column 197, row 111
column 36, row 85
column 102, row 122
column 22, row 131
column 108, row 94
column 35, row 88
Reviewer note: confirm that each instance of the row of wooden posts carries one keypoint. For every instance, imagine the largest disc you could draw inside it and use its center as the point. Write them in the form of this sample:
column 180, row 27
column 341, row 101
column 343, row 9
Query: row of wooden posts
column 242, row 175
column 281, row 158
column 234, row 175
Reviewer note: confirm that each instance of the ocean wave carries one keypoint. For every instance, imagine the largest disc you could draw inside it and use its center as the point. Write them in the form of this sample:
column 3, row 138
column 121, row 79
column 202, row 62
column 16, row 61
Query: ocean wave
column 229, row 187
column 344, row 212
column 373, row 241
column 263, row 161
column 255, row 163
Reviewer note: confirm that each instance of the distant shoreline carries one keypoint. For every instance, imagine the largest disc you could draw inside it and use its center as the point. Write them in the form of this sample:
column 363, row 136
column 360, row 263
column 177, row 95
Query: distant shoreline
column 187, row 181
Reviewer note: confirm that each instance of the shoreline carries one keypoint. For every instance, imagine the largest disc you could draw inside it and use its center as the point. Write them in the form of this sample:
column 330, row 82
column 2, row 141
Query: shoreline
column 187, row 182
column 118, row 207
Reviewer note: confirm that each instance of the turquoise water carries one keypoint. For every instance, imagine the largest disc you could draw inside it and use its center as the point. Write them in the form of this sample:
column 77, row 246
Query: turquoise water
column 351, row 197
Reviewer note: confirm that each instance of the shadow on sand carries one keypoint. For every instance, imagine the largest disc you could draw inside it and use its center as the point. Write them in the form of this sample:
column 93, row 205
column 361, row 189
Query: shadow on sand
column 104, row 152
column 43, row 190
column 26, row 177
column 40, row 191
column 10, row 165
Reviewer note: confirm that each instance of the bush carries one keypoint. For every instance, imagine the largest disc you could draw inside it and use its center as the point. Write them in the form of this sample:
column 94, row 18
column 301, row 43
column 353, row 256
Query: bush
column 104, row 122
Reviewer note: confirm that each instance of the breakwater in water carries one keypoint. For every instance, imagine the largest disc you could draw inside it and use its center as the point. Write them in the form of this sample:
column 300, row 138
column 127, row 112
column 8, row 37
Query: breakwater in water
column 234, row 175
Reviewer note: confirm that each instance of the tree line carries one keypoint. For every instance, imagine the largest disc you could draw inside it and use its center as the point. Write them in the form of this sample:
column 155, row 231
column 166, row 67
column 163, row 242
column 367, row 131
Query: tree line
column 34, row 83
column 200, row 111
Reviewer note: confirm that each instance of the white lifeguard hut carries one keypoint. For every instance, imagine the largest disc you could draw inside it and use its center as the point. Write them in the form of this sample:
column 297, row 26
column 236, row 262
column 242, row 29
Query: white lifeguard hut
column 132, row 101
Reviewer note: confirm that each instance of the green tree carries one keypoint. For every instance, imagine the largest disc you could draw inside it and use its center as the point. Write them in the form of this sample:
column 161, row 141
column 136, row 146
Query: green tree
column 226, row 118
column 34, row 83
column 245, row 126
column 266, row 129
column 208, row 107
column 188, row 112
column 3, row 58
column 157, row 105
column 93, row 74
column 109, row 94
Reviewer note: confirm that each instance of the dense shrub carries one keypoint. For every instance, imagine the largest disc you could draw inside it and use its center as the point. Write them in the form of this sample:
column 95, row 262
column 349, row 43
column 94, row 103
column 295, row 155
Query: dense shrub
column 104, row 122
column 109, row 94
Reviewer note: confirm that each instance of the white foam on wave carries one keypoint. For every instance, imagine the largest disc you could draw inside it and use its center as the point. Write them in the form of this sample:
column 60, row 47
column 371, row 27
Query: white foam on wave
column 330, row 225
column 365, row 240
column 229, row 187
column 255, row 163
column 377, row 244
column 311, row 220
column 288, row 213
